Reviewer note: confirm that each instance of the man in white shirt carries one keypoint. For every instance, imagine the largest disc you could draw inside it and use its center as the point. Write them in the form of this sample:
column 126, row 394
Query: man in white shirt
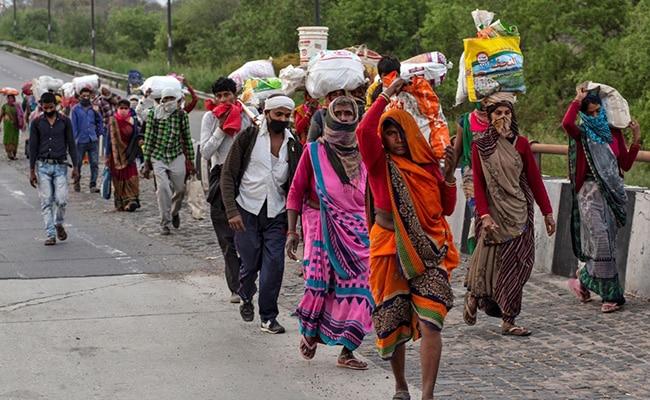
column 254, row 184
column 215, row 145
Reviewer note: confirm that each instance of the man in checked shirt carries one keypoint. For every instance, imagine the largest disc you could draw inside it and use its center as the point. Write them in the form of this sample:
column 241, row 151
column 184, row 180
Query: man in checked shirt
column 168, row 152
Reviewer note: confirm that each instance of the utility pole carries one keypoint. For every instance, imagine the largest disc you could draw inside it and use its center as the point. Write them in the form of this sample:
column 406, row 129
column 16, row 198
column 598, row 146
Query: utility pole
column 15, row 21
column 92, row 28
column 317, row 14
column 169, row 33
column 49, row 21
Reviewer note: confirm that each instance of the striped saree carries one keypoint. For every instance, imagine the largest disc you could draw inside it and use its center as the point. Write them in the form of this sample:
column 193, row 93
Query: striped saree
column 503, row 261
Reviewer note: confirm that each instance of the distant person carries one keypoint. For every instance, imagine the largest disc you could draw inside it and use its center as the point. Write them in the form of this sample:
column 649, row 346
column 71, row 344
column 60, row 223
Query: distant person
column 122, row 148
column 11, row 114
column 168, row 152
column 50, row 142
column 88, row 127
column 302, row 116
column 106, row 103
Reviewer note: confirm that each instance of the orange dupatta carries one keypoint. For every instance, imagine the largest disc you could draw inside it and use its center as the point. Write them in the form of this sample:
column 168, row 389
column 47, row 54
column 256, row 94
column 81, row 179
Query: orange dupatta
column 423, row 237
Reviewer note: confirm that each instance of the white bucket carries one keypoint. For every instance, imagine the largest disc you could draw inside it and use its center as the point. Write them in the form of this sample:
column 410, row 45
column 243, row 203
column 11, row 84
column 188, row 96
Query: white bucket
column 311, row 40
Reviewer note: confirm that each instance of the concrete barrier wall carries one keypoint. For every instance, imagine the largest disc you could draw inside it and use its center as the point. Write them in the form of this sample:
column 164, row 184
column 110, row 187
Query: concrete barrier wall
column 555, row 254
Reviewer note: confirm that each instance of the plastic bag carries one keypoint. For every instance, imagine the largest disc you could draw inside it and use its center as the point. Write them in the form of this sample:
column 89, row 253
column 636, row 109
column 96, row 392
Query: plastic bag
column 158, row 83
column 106, row 184
column 420, row 100
column 48, row 83
column 257, row 90
column 196, row 197
column 493, row 65
column 45, row 84
column 329, row 71
column 252, row 69
column 369, row 59
column 292, row 79
column 89, row 81
column 68, row 90
column 461, row 89
column 431, row 71
column 616, row 107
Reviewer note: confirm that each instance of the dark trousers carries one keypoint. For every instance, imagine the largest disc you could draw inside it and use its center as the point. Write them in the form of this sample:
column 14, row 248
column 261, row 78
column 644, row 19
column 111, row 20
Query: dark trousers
column 92, row 148
column 225, row 235
column 226, row 239
column 261, row 247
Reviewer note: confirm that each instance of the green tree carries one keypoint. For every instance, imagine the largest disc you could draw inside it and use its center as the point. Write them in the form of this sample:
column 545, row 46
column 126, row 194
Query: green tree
column 131, row 31
column 387, row 26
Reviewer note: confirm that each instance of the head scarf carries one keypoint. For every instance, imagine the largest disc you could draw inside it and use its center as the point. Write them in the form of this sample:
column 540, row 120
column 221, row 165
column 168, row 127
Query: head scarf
column 419, row 149
column 340, row 142
column 273, row 103
column 596, row 128
column 505, row 126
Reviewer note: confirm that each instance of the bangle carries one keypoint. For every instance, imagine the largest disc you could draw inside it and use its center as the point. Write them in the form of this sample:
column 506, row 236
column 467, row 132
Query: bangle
column 484, row 216
column 385, row 96
column 294, row 233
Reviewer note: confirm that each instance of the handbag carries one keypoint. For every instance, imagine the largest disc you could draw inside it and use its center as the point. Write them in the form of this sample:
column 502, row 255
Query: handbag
column 106, row 183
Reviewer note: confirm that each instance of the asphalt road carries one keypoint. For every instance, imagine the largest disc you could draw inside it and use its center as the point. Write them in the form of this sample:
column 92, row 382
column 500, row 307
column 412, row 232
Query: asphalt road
column 15, row 70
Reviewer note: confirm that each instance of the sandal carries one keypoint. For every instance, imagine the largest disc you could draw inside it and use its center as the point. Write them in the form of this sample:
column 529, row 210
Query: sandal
column 579, row 291
column 402, row 395
column 307, row 351
column 515, row 331
column 469, row 313
column 609, row 308
column 351, row 363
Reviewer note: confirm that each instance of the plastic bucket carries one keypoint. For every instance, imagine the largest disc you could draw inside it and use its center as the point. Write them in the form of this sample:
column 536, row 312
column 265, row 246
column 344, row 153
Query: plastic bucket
column 311, row 40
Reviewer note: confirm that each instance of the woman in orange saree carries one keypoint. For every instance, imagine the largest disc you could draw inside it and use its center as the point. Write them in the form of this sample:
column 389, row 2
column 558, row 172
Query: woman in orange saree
column 411, row 247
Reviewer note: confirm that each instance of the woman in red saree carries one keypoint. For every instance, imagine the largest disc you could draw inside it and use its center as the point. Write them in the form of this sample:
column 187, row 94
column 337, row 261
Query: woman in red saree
column 122, row 150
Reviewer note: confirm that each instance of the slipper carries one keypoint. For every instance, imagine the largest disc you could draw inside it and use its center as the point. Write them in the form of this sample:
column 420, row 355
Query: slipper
column 469, row 313
column 516, row 331
column 351, row 363
column 307, row 351
column 609, row 308
column 402, row 395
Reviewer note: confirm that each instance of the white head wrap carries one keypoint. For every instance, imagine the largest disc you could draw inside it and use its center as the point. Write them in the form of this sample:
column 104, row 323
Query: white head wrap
column 170, row 92
column 276, row 102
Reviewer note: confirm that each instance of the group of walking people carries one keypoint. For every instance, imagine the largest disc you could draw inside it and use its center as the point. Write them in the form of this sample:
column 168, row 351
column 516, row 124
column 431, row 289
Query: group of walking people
column 371, row 199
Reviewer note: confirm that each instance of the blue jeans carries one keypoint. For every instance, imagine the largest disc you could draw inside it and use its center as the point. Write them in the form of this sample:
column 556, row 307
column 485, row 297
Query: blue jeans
column 53, row 192
column 261, row 248
column 92, row 148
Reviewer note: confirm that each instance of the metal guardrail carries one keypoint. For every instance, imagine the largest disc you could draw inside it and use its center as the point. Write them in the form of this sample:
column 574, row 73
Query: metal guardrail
column 102, row 73
column 563, row 149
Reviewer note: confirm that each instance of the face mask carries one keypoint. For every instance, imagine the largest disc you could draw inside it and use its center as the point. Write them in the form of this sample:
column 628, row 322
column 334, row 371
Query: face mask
column 84, row 102
column 124, row 113
column 50, row 114
column 169, row 107
column 502, row 125
column 278, row 126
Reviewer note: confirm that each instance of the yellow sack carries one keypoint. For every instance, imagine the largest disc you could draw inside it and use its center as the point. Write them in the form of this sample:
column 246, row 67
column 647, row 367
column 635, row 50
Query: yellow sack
column 493, row 65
